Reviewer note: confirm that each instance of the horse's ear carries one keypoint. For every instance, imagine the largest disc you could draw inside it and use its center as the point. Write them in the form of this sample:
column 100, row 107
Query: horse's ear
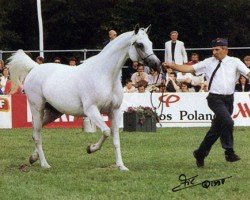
column 148, row 29
column 137, row 28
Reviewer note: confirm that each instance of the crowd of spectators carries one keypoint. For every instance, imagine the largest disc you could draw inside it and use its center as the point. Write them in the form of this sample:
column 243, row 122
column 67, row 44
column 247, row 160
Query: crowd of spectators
column 173, row 81
column 138, row 78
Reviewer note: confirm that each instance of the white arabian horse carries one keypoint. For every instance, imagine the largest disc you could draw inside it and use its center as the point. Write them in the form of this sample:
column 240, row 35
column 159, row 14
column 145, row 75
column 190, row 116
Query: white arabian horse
column 92, row 88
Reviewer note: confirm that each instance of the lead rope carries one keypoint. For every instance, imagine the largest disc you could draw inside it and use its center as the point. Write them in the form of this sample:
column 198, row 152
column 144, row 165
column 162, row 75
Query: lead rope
column 160, row 104
column 151, row 92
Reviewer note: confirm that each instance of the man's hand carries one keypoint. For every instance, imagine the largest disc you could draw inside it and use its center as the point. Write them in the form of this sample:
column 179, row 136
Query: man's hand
column 167, row 65
column 180, row 68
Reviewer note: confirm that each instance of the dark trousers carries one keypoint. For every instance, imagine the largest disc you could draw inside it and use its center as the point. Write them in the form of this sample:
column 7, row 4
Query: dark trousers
column 222, row 124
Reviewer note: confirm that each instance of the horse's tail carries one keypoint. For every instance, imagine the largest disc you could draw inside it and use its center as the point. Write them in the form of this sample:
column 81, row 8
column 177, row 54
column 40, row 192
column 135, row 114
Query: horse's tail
column 20, row 65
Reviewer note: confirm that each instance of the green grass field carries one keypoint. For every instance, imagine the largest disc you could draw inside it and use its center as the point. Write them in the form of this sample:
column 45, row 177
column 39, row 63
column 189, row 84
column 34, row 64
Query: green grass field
column 155, row 160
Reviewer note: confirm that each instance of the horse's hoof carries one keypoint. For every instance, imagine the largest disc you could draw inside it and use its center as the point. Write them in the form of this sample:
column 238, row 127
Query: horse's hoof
column 88, row 150
column 33, row 158
column 123, row 168
column 45, row 166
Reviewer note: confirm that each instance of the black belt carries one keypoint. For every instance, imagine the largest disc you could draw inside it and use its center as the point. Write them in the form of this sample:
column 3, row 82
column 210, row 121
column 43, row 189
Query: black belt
column 221, row 95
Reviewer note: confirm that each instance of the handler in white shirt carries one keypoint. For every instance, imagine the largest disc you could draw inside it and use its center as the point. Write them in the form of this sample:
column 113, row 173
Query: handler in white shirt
column 222, row 73
column 175, row 50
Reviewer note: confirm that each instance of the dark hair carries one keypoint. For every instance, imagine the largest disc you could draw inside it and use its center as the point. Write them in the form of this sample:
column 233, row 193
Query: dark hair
column 57, row 58
column 244, row 77
column 40, row 58
column 142, row 83
column 128, row 81
column 195, row 54
column 139, row 65
column 174, row 73
column 184, row 83
column 72, row 59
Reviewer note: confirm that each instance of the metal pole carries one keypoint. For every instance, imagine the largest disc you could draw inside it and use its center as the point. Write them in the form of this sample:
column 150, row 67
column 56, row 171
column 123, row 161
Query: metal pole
column 40, row 24
column 1, row 55
column 84, row 54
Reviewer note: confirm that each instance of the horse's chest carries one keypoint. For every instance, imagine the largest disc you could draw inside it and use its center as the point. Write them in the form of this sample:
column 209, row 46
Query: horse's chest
column 112, row 100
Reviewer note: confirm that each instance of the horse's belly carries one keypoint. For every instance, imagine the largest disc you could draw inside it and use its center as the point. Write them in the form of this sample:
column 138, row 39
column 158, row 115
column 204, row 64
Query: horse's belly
column 65, row 102
column 67, row 106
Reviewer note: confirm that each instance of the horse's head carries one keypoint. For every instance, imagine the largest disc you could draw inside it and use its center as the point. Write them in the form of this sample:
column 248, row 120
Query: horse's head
column 141, row 48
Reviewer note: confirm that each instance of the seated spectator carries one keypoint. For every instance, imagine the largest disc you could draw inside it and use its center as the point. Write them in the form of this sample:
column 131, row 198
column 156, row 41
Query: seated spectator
column 72, row 61
column 184, row 87
column 161, row 88
column 5, row 84
column 57, row 60
column 247, row 61
column 8, row 89
column 169, row 71
column 197, row 82
column 142, row 85
column 139, row 75
column 129, row 88
column 171, row 83
column 1, row 67
column 127, row 71
column 39, row 60
column 243, row 85
column 195, row 58
column 154, row 78
column 184, row 77
column 4, row 78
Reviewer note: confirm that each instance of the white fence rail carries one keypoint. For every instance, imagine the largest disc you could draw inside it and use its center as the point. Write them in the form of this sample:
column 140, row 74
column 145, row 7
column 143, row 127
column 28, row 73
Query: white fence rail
column 86, row 51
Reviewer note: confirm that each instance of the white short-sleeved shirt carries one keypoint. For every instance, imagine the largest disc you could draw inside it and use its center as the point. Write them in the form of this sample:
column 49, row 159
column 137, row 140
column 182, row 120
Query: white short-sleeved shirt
column 182, row 77
column 227, row 75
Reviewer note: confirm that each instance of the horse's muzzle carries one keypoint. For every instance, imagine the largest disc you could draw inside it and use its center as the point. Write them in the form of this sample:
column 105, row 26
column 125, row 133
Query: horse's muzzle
column 154, row 63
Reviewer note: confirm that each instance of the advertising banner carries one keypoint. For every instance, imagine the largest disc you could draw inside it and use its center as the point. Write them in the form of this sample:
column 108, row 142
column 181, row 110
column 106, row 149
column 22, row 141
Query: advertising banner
column 5, row 111
column 187, row 109
column 174, row 109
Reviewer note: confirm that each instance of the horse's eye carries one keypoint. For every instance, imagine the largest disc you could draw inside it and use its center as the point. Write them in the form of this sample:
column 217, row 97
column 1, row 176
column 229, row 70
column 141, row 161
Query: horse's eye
column 140, row 45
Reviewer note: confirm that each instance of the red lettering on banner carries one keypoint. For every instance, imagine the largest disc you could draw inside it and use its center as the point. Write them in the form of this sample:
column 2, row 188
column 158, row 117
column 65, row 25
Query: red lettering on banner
column 168, row 99
column 4, row 105
column 244, row 110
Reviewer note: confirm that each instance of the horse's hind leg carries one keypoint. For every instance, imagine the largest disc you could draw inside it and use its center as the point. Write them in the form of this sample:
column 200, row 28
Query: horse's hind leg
column 50, row 115
column 37, row 110
column 95, row 116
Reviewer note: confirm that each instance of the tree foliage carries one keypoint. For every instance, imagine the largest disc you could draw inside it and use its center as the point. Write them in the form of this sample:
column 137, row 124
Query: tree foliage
column 79, row 24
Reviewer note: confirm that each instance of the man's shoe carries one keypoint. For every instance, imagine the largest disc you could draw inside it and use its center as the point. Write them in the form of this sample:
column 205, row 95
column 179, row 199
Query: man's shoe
column 232, row 158
column 199, row 160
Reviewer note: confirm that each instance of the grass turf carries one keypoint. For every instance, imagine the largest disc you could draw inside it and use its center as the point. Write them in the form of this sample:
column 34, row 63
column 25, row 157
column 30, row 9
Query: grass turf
column 155, row 161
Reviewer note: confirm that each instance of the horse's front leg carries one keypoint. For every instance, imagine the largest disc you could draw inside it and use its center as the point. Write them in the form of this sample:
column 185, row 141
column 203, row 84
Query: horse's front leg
column 115, row 117
column 95, row 116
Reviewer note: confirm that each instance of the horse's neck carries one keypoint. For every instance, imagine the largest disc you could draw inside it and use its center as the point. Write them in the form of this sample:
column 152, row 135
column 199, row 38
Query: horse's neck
column 115, row 54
